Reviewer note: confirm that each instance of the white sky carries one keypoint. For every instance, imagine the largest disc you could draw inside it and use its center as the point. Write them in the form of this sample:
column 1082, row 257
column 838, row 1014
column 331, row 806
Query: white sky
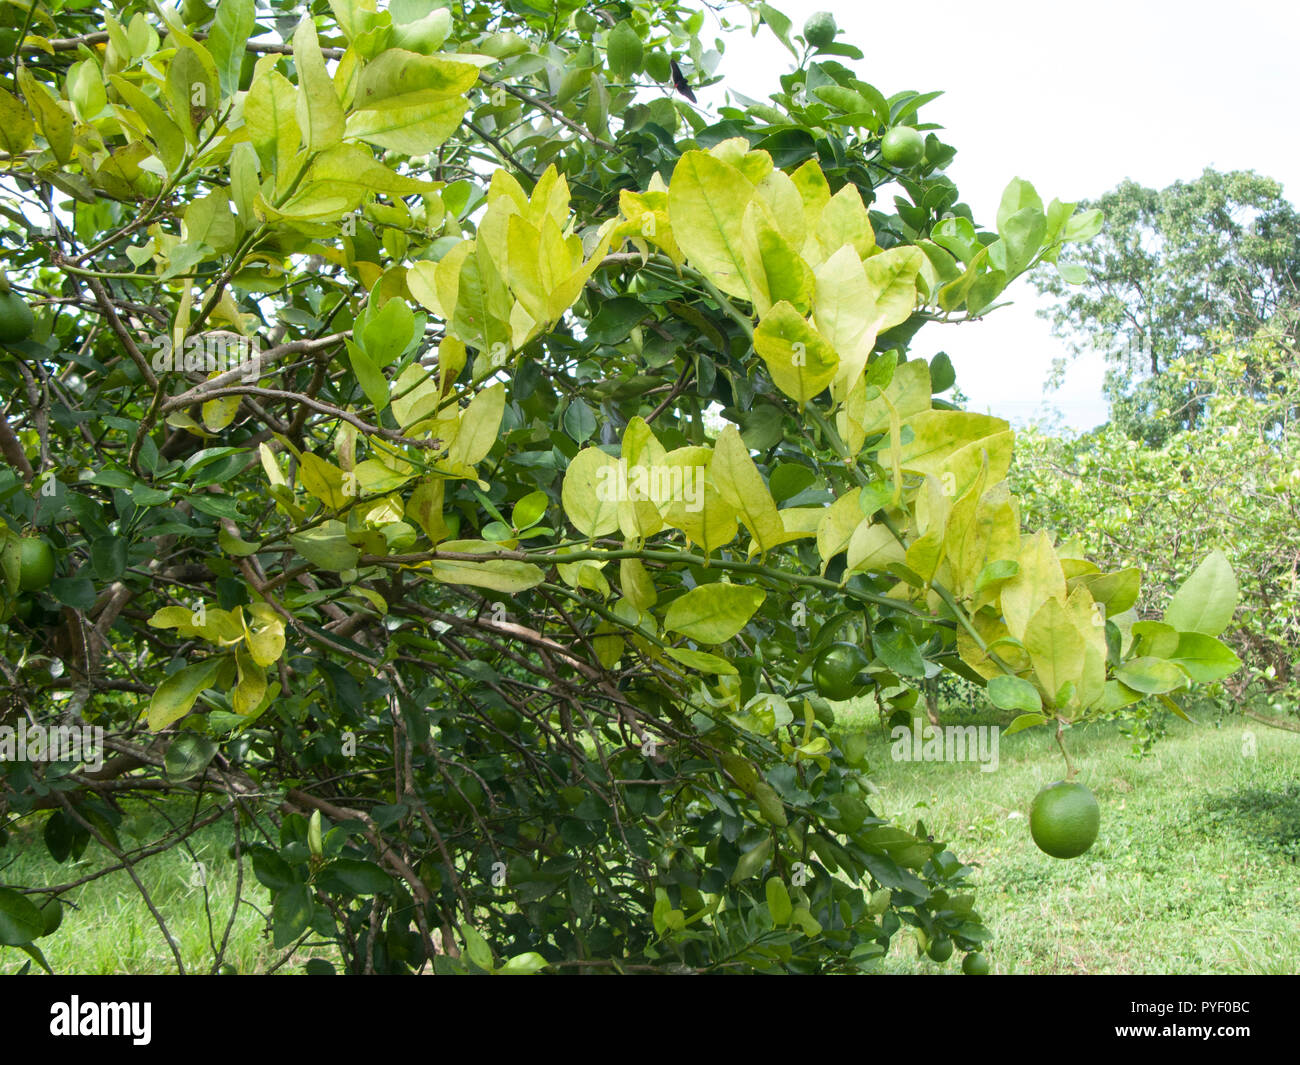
column 1073, row 98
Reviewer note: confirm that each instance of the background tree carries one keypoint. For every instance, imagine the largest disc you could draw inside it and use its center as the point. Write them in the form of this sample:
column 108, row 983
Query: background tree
column 1230, row 483
column 1171, row 267
column 391, row 594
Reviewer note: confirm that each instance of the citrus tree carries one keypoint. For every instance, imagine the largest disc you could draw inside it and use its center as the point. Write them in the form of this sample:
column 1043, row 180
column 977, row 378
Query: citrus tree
column 459, row 452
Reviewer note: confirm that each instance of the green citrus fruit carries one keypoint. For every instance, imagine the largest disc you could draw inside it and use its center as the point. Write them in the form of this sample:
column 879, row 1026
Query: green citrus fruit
column 835, row 673
column 658, row 66
column 195, row 12
column 820, row 29
column 52, row 912
column 1064, row 819
column 975, row 965
column 16, row 321
column 36, row 564
column 940, row 949
column 903, row 147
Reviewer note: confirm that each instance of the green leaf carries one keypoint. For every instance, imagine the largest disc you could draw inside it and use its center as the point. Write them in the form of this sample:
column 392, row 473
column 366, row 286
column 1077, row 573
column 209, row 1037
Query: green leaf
column 529, row 510
column 623, row 49
column 1205, row 658
column 326, row 546
column 702, row 661
column 108, row 557
column 713, row 613
column 752, row 860
column 175, row 696
column 579, row 421
column 1023, row 722
column 526, row 964
column 291, row 914
column 476, row 948
column 226, row 39
column 20, row 920
column 1207, row 599
column 778, row 901
column 1152, row 676
column 360, row 877
column 188, row 756
column 1013, row 693
column 897, row 649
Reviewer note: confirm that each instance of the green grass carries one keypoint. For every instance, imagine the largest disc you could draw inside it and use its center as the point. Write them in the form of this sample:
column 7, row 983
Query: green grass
column 107, row 928
column 1195, row 869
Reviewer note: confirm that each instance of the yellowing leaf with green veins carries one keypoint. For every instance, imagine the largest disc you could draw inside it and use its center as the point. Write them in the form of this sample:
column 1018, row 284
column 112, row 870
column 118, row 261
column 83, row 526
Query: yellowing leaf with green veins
column 144, row 112
column 222, row 627
column 234, row 545
column 699, row 512
column 891, row 276
column 1207, row 600
column 265, row 636
column 960, row 469
column 636, row 585
column 741, row 487
column 799, row 359
column 984, row 527
column 17, row 130
column 779, row 194
column 271, row 120
column 706, row 206
column 54, row 122
column 815, row 193
column 1116, row 591
column 324, row 480
column 1040, row 578
column 373, row 476
column 844, row 222
column 410, row 103
column 319, row 113
column 1090, row 620
column 713, row 613
column 498, row 575
column 479, row 424
column 872, row 548
column 176, row 695
column 1056, row 647
column 938, row 434
column 251, row 688
column 867, row 411
column 777, row 271
column 590, row 492
column 425, row 507
column 837, row 525
column 646, row 215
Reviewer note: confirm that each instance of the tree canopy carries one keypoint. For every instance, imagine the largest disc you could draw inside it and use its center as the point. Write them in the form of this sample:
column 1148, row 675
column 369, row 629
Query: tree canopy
column 1172, row 267
column 457, row 447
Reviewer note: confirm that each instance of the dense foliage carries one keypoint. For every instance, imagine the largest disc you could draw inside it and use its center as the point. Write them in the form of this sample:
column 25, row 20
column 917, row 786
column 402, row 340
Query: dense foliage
column 457, row 448
column 1231, row 483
